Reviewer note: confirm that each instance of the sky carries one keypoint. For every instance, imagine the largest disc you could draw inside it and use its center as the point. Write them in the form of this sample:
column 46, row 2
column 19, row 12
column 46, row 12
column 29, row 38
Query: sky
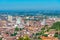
column 29, row 4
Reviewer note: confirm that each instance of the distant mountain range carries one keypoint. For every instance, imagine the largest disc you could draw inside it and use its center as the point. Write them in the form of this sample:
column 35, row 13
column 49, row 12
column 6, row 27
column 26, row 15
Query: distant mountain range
column 30, row 12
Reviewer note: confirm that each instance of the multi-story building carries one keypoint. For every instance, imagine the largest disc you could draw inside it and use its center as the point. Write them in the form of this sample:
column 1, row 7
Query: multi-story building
column 10, row 18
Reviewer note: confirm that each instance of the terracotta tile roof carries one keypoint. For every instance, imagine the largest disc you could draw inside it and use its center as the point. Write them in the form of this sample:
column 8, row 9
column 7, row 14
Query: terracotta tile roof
column 48, row 38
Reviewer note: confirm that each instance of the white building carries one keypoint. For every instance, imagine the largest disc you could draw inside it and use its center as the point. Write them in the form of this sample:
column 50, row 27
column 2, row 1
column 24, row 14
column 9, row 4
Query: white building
column 43, row 22
column 10, row 18
column 18, row 20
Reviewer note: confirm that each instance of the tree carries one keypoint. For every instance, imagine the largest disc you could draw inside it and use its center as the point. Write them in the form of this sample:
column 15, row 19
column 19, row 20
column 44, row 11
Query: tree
column 14, row 34
column 43, row 28
column 16, row 29
column 0, row 38
column 57, row 35
column 24, row 38
column 39, row 38
column 56, row 26
column 40, row 33
column 46, row 26
column 20, row 38
column 21, row 29
column 7, row 33
column 45, row 35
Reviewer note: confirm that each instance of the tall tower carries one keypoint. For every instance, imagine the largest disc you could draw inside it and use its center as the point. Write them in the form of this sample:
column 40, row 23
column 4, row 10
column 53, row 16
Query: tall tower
column 43, row 22
column 18, row 20
column 10, row 18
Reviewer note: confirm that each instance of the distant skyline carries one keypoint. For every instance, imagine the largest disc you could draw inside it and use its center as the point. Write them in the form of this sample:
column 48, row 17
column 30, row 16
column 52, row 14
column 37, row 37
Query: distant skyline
column 29, row 4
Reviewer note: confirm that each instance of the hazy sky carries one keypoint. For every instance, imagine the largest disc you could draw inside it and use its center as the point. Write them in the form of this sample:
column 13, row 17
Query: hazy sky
column 29, row 4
